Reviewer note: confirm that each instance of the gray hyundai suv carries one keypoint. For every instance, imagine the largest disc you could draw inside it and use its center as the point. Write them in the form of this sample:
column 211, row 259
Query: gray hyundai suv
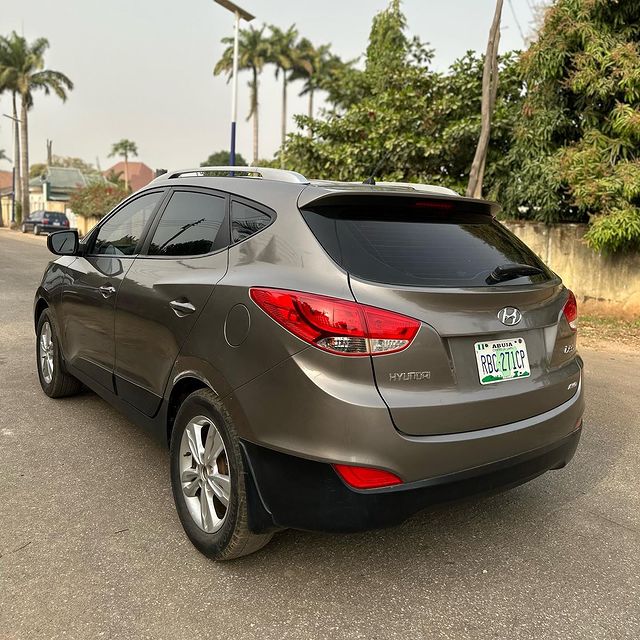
column 319, row 355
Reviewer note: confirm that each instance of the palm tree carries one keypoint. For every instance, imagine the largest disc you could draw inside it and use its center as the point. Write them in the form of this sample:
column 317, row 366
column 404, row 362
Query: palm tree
column 22, row 71
column 124, row 148
column 253, row 53
column 284, row 54
column 314, row 65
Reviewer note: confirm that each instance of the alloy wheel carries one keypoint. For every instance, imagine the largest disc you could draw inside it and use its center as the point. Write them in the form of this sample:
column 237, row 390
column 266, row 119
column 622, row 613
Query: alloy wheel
column 46, row 352
column 204, row 474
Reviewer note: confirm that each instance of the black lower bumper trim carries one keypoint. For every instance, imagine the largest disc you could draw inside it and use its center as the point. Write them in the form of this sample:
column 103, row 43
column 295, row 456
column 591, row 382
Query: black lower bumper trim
column 287, row 491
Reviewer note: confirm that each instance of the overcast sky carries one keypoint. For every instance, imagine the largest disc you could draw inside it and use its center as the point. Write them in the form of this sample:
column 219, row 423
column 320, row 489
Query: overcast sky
column 143, row 70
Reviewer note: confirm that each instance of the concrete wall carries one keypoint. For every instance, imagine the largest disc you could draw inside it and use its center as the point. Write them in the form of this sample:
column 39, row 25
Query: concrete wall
column 608, row 282
column 84, row 225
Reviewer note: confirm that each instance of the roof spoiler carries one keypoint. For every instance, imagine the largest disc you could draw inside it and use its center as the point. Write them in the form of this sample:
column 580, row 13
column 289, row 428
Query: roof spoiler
column 320, row 198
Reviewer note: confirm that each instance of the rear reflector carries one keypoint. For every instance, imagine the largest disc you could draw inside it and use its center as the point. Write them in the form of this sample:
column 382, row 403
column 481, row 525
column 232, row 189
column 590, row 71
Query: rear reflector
column 571, row 311
column 338, row 326
column 366, row 477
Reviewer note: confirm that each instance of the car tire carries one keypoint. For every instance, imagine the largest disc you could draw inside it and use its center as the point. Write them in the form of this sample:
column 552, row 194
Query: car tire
column 219, row 531
column 36, row 230
column 55, row 381
column 23, row 228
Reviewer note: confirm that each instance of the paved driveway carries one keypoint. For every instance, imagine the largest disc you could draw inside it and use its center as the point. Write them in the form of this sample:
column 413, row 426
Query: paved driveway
column 91, row 547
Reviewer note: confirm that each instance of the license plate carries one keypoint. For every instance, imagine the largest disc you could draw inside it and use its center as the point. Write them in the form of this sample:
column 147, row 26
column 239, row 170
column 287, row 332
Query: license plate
column 56, row 224
column 500, row 360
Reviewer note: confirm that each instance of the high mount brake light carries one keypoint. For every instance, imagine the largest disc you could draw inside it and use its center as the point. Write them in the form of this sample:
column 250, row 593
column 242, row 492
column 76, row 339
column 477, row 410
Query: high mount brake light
column 431, row 204
column 338, row 326
column 366, row 477
column 571, row 311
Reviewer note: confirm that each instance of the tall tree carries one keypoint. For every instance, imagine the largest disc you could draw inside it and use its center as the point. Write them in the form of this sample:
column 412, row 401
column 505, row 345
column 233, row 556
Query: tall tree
column 22, row 68
column 406, row 121
column 223, row 159
column 489, row 91
column 283, row 54
column 315, row 66
column 576, row 155
column 253, row 54
column 124, row 148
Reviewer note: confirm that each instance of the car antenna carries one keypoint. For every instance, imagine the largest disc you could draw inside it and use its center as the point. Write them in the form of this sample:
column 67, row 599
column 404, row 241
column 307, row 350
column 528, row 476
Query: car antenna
column 372, row 178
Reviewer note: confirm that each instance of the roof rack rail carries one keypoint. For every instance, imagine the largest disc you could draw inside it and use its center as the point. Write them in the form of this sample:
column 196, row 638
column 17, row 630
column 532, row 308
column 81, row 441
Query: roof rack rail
column 266, row 173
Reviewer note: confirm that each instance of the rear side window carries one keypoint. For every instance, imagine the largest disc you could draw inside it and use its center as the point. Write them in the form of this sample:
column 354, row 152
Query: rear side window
column 245, row 221
column 413, row 246
column 189, row 225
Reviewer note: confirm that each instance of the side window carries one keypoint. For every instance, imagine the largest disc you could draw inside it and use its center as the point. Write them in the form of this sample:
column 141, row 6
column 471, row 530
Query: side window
column 120, row 235
column 245, row 221
column 189, row 225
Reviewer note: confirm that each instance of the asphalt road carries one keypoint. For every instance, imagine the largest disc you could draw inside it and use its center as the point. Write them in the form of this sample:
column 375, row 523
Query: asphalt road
column 91, row 546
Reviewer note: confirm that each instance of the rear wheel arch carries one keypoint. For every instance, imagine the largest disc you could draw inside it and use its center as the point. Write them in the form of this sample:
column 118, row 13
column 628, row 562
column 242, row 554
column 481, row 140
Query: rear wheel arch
column 184, row 387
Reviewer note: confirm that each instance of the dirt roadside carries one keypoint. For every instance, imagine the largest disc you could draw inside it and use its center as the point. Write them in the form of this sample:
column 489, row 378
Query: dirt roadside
column 607, row 333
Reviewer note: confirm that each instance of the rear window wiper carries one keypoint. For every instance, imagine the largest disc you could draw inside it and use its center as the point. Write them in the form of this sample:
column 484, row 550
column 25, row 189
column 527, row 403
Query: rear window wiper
column 511, row 271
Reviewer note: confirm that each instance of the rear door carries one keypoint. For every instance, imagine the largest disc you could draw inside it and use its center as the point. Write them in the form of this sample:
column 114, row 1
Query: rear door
column 433, row 260
column 165, row 291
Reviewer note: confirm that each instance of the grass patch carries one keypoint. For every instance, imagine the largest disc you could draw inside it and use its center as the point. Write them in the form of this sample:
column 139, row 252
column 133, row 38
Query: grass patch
column 594, row 329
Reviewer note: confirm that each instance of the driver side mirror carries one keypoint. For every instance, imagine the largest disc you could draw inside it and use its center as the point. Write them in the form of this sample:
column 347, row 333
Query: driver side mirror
column 64, row 243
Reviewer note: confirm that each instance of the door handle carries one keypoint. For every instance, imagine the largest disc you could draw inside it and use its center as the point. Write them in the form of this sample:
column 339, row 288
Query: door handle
column 107, row 290
column 182, row 308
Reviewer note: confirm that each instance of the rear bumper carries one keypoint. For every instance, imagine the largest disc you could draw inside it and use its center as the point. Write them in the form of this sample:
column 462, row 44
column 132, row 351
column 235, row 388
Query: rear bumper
column 288, row 491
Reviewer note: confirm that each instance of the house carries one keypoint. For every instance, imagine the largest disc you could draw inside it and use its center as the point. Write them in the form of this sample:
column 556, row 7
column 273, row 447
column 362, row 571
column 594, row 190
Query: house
column 140, row 175
column 6, row 190
column 53, row 189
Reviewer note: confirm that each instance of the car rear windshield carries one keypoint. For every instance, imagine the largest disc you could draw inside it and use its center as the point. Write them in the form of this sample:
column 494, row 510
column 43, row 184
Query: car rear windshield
column 413, row 245
column 53, row 215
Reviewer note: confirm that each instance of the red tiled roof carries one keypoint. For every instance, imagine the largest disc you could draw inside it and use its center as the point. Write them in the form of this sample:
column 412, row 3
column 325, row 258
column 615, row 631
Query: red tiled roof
column 5, row 180
column 140, row 174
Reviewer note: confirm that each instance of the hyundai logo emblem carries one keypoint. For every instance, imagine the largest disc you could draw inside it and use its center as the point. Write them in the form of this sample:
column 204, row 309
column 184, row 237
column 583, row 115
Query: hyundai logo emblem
column 509, row 316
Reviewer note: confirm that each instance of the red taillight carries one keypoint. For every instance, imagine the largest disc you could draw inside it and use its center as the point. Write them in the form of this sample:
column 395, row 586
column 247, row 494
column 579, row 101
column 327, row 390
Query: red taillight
column 337, row 326
column 65, row 223
column 45, row 220
column 366, row 477
column 571, row 311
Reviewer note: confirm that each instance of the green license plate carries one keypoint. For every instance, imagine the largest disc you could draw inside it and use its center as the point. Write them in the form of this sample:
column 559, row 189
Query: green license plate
column 500, row 360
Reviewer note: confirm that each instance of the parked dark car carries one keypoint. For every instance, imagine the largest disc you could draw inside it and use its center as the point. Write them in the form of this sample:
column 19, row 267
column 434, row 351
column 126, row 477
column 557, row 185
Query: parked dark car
column 319, row 355
column 40, row 221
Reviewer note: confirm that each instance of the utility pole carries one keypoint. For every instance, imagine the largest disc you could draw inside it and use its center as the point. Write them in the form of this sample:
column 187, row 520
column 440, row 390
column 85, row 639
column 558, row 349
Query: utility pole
column 489, row 90
column 49, row 154
column 238, row 13
column 14, row 176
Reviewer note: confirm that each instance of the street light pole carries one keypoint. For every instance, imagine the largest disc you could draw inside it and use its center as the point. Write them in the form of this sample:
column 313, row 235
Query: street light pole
column 234, row 91
column 16, row 122
column 238, row 13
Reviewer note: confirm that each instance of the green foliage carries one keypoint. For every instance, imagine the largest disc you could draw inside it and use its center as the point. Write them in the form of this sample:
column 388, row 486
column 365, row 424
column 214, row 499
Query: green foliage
column 576, row 148
column 74, row 163
column 401, row 120
column 222, row 159
column 38, row 169
column 97, row 199
column 115, row 177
